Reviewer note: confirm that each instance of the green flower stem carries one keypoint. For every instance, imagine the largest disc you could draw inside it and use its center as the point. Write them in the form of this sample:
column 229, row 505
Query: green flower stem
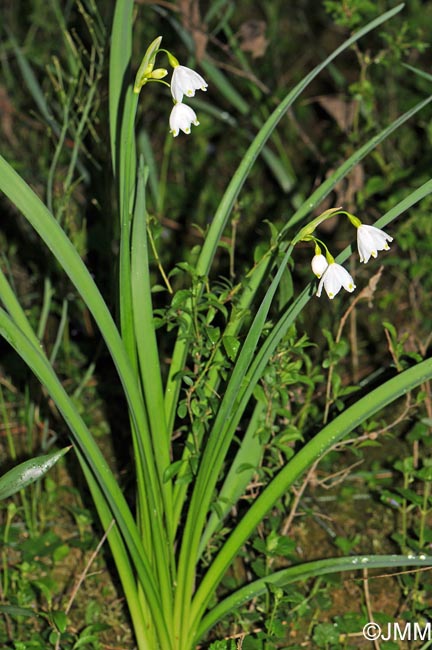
column 151, row 381
column 127, row 173
column 305, row 234
column 151, row 444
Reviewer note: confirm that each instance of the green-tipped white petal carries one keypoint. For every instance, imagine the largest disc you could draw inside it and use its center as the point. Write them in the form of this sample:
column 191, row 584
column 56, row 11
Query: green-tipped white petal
column 333, row 279
column 185, row 82
column 181, row 119
column 370, row 240
column 319, row 264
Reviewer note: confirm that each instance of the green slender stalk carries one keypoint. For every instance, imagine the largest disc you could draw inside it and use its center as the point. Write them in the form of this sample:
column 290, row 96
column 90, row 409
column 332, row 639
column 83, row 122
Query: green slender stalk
column 123, row 108
column 60, row 332
column 46, row 307
column 146, row 340
column 341, row 426
column 146, row 343
column 121, row 54
column 224, row 209
column 126, row 200
column 239, row 475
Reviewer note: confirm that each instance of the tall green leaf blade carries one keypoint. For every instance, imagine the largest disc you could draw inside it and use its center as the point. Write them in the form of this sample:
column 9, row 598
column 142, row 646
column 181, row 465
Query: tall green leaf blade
column 303, row 572
column 341, row 426
column 326, row 187
column 239, row 475
column 119, row 72
column 139, row 612
column 151, row 380
column 112, row 493
column 146, row 340
column 54, row 237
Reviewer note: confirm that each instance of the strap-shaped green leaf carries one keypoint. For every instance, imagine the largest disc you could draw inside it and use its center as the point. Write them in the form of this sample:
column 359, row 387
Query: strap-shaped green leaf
column 335, row 431
column 303, row 572
column 28, row 472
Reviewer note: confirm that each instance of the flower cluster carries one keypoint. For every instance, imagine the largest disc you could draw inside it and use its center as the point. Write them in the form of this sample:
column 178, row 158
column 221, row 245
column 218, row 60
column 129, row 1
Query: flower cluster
column 184, row 82
column 333, row 276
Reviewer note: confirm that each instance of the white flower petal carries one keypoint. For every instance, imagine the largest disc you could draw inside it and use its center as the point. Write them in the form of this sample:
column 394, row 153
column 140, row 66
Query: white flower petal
column 181, row 118
column 185, row 82
column 334, row 278
column 370, row 240
column 319, row 265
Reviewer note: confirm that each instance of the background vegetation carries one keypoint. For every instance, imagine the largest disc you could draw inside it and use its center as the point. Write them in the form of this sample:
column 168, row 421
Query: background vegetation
column 372, row 492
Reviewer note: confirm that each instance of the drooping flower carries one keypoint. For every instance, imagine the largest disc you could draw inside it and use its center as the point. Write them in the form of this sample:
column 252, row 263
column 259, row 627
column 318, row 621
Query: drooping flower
column 319, row 264
column 370, row 240
column 186, row 81
column 334, row 278
column 181, row 118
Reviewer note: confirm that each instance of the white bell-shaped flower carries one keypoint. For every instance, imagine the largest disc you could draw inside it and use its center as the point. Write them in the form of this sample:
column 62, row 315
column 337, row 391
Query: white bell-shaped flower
column 370, row 240
column 334, row 278
column 319, row 264
column 186, row 81
column 181, row 119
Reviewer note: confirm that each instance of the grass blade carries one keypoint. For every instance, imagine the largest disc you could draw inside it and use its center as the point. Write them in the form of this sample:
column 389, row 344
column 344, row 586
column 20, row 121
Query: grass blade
column 341, row 426
column 244, row 465
column 113, row 495
column 303, row 572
